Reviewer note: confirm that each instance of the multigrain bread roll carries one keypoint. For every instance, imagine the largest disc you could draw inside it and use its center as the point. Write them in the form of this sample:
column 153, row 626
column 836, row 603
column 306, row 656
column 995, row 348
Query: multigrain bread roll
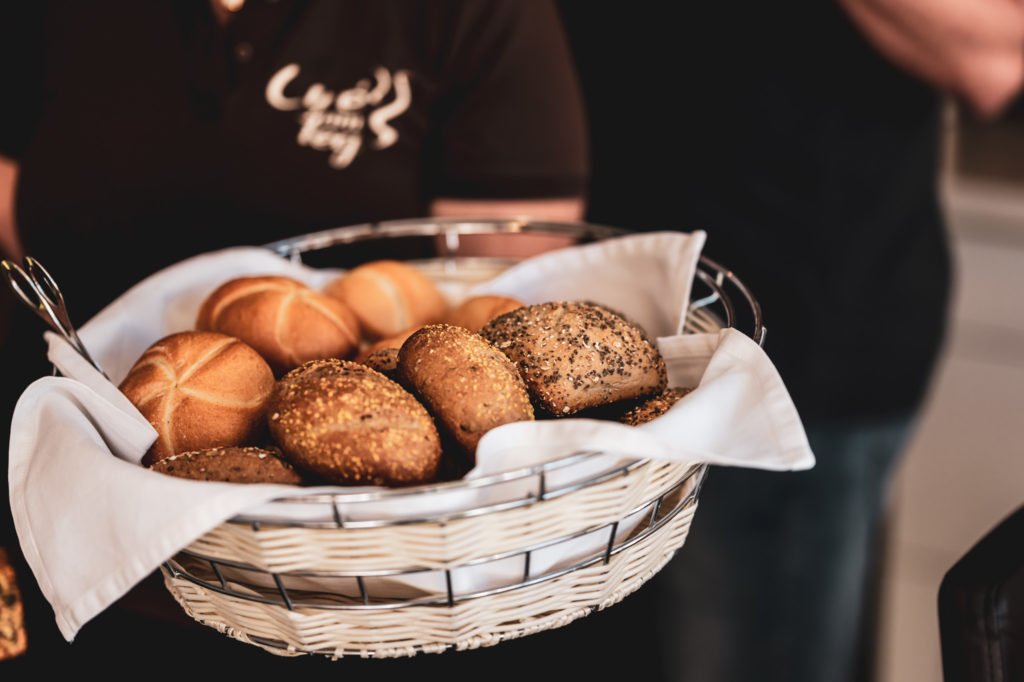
column 575, row 356
column 467, row 384
column 284, row 320
column 475, row 312
column 384, row 361
column 652, row 408
column 352, row 425
column 230, row 465
column 389, row 297
column 200, row 390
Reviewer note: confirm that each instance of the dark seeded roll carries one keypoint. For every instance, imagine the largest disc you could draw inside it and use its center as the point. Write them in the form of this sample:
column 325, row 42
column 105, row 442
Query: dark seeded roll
column 350, row 424
column 575, row 356
column 465, row 382
column 230, row 465
column 654, row 407
column 384, row 361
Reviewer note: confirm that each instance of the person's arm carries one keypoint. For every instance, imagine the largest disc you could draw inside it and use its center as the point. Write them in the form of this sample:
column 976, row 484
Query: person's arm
column 972, row 48
column 10, row 245
column 511, row 139
column 567, row 209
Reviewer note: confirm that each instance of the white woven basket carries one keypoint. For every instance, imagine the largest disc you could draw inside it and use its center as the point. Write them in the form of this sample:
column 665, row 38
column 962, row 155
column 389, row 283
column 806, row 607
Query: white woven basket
column 328, row 574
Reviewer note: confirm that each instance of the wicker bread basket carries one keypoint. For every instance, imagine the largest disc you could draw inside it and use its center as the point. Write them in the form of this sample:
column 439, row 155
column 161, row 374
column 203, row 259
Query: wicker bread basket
column 329, row 574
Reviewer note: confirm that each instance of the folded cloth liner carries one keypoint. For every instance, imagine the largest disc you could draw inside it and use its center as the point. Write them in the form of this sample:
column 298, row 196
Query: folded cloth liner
column 93, row 523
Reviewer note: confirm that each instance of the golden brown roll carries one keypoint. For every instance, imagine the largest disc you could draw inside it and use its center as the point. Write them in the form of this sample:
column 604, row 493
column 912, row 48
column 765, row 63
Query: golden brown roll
column 392, row 342
column 475, row 312
column 230, row 465
column 13, row 640
column 467, row 384
column 284, row 320
column 575, row 356
column 200, row 390
column 389, row 297
column 350, row 424
column 652, row 408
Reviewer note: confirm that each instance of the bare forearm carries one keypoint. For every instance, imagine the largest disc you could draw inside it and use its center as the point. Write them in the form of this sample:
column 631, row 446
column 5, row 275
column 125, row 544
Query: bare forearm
column 10, row 246
column 567, row 209
column 971, row 48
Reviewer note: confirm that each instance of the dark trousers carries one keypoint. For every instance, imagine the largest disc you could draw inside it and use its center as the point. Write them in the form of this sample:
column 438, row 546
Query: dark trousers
column 779, row 575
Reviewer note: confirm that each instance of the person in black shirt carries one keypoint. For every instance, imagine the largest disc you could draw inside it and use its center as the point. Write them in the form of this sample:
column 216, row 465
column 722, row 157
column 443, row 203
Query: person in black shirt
column 804, row 138
column 136, row 134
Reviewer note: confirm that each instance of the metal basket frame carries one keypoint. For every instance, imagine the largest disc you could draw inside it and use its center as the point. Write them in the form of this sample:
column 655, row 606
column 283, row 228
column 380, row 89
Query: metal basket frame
column 709, row 312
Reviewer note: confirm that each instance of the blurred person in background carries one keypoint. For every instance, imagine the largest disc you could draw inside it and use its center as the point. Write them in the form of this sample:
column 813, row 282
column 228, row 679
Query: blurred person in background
column 804, row 138
column 136, row 134
column 785, row 132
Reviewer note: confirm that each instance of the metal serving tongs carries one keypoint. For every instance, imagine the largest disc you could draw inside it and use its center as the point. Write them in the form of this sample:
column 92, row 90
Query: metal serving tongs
column 37, row 289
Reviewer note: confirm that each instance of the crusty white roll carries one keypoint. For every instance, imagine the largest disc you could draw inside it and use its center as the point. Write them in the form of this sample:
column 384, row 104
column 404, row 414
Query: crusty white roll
column 389, row 297
column 392, row 342
column 475, row 312
column 200, row 390
column 284, row 320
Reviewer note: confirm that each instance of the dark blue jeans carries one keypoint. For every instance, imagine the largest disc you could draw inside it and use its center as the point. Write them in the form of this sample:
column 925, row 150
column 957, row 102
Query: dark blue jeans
column 776, row 578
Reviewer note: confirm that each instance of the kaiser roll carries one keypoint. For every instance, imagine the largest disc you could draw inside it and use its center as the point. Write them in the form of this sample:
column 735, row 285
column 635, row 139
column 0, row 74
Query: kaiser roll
column 477, row 311
column 200, row 390
column 389, row 297
column 284, row 320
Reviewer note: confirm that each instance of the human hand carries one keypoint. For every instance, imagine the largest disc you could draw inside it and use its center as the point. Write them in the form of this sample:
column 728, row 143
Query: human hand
column 972, row 48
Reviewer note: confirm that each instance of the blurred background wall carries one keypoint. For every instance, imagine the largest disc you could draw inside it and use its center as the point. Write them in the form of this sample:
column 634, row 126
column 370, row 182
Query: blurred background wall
column 964, row 470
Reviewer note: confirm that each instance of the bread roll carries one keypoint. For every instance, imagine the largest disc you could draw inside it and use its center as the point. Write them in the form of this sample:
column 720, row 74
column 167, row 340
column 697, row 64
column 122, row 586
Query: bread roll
column 467, row 384
column 350, row 424
column 13, row 639
column 389, row 297
column 200, row 390
column 392, row 342
column 384, row 361
column 477, row 311
column 230, row 465
column 652, row 408
column 574, row 356
column 284, row 320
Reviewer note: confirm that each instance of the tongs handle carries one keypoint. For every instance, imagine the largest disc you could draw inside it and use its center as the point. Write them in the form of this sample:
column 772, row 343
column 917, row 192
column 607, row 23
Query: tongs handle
column 37, row 289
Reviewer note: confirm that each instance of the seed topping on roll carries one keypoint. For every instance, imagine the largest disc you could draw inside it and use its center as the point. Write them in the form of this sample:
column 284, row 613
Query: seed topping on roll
column 468, row 385
column 350, row 424
column 574, row 356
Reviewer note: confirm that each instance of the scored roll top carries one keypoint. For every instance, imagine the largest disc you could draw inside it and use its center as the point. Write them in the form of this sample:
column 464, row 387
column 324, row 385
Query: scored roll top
column 200, row 390
column 284, row 320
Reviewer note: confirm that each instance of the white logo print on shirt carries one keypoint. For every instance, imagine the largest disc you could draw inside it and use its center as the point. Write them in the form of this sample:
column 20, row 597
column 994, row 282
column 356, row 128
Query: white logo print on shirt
column 334, row 122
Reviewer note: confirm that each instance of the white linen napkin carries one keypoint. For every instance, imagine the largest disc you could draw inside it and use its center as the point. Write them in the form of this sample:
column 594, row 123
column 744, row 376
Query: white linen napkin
column 92, row 525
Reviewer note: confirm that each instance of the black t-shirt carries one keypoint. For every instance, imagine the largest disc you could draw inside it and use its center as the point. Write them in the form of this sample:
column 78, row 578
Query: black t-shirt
column 810, row 161
column 146, row 132
column 147, row 129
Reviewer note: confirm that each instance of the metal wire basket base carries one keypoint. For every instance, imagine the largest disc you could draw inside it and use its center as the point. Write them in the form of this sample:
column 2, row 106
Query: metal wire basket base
column 484, row 622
